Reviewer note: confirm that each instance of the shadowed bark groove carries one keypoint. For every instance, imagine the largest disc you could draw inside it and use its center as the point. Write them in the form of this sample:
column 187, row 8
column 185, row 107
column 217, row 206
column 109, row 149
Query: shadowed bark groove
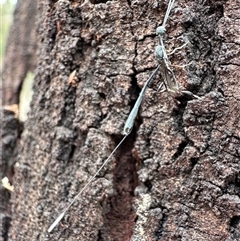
column 183, row 155
column 120, row 217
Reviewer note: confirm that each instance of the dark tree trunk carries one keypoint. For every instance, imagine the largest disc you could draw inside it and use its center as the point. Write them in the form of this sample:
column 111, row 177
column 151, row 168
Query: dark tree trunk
column 20, row 57
column 176, row 176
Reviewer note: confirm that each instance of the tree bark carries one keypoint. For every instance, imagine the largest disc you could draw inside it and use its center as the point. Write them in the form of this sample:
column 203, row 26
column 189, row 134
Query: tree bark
column 20, row 55
column 176, row 176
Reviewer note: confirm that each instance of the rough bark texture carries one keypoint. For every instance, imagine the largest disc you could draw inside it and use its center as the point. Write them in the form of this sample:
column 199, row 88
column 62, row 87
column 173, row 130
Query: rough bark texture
column 20, row 57
column 176, row 177
column 10, row 131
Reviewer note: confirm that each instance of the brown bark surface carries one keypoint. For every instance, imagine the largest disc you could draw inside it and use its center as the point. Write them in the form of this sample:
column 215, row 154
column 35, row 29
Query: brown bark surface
column 176, row 177
column 20, row 53
column 19, row 58
column 10, row 131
